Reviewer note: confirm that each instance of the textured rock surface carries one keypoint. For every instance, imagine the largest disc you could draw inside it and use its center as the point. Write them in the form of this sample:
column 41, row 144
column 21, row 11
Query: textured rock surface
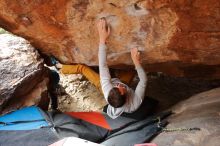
column 178, row 37
column 21, row 70
column 81, row 95
column 169, row 90
column 202, row 111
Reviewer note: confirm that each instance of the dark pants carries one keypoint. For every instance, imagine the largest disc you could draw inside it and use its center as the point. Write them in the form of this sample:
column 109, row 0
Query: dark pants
column 54, row 81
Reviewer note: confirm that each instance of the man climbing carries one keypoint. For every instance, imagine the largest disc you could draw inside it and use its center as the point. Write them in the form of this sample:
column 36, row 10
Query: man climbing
column 119, row 96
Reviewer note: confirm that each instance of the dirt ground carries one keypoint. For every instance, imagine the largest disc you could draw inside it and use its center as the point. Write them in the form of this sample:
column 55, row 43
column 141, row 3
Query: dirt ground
column 80, row 95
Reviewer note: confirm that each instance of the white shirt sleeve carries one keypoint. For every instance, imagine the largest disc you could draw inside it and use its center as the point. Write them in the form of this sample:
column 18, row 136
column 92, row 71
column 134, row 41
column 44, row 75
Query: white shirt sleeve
column 105, row 78
column 141, row 86
column 139, row 93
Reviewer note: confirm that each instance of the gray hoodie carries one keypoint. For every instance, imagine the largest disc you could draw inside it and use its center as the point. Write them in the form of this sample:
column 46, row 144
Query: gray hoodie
column 134, row 98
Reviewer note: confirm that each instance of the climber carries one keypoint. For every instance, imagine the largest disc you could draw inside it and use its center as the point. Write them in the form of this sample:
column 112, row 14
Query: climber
column 119, row 96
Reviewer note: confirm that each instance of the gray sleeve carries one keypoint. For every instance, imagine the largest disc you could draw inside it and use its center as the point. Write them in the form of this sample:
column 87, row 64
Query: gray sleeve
column 105, row 78
column 140, row 89
column 139, row 93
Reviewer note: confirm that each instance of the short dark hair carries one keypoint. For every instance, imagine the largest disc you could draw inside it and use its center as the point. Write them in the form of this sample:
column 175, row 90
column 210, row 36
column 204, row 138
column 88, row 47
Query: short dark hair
column 115, row 99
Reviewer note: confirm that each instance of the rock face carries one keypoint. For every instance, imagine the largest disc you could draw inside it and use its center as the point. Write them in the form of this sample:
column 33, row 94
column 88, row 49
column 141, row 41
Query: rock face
column 202, row 111
column 23, row 77
column 176, row 37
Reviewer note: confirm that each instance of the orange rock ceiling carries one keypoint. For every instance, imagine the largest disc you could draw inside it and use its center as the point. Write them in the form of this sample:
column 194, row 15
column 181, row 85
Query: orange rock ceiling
column 177, row 37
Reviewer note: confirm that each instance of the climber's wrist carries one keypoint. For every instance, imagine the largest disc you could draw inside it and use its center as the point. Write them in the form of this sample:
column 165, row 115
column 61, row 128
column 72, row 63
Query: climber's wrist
column 102, row 41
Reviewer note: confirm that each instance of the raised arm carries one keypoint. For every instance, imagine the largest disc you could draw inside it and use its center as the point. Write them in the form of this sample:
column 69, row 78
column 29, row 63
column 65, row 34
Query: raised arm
column 140, row 89
column 105, row 77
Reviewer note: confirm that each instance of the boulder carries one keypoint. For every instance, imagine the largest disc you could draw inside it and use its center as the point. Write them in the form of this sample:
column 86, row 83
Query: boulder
column 22, row 72
column 176, row 37
column 199, row 111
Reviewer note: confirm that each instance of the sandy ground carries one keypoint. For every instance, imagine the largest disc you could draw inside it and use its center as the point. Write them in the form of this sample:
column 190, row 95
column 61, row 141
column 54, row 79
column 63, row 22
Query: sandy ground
column 80, row 95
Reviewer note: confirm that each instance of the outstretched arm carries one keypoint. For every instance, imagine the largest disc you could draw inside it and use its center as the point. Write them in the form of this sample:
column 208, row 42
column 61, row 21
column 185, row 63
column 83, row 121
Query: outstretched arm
column 105, row 77
column 140, row 89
